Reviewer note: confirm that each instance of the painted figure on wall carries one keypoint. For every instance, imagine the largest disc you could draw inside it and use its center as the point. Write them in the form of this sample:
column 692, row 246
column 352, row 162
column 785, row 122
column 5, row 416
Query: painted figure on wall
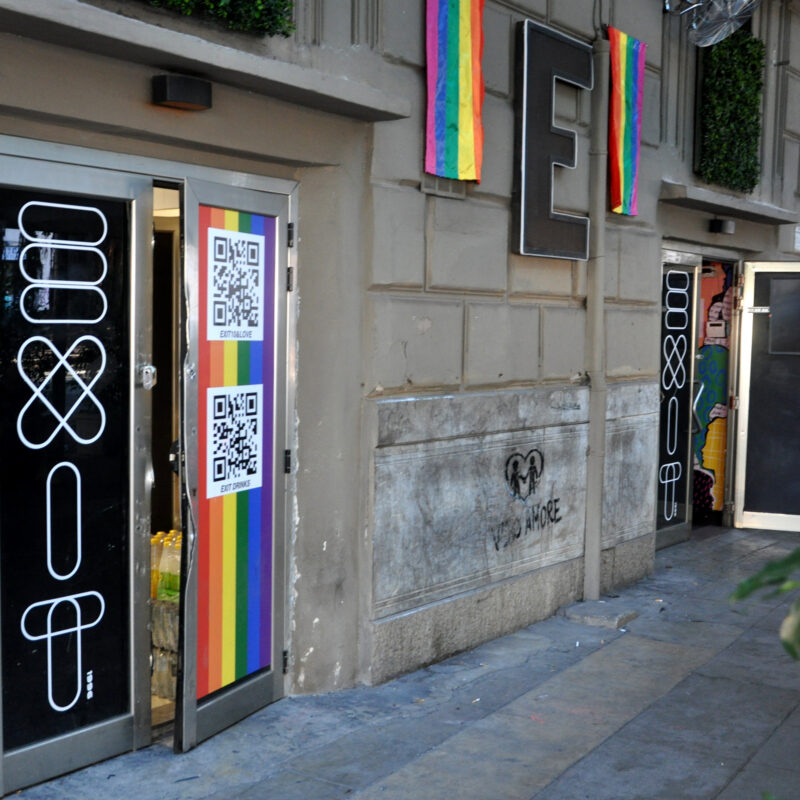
column 711, row 401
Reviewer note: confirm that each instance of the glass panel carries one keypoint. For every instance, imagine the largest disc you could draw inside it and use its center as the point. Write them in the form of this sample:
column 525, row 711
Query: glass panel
column 773, row 436
column 64, row 408
column 784, row 312
column 236, row 445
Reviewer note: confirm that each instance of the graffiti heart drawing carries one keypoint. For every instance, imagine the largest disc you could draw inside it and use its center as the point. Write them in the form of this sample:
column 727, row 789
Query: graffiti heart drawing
column 523, row 473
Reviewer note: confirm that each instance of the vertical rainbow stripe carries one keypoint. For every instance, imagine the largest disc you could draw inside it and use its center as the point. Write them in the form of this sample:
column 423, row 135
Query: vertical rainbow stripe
column 454, row 137
column 625, row 120
column 234, row 542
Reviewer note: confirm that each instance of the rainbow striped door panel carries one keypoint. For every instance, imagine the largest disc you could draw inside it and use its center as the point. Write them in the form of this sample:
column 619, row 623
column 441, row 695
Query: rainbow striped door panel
column 236, row 377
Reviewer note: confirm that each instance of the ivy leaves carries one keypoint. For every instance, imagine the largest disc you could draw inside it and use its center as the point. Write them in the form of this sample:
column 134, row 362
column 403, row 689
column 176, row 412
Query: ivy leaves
column 730, row 112
column 269, row 17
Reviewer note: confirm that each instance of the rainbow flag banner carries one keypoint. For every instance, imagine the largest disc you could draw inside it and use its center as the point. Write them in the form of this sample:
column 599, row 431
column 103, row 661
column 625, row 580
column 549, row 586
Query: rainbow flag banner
column 454, row 136
column 625, row 119
column 236, row 446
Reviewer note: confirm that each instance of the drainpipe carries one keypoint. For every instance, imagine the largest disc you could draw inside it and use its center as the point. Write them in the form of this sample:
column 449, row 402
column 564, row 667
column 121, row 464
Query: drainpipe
column 595, row 322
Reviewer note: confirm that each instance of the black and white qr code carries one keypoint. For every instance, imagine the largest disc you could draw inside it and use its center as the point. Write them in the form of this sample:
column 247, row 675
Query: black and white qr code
column 236, row 285
column 234, row 439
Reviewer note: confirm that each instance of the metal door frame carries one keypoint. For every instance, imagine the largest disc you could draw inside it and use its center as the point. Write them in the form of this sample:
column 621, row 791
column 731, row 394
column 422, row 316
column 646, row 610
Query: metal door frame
column 60, row 754
column 742, row 518
column 691, row 263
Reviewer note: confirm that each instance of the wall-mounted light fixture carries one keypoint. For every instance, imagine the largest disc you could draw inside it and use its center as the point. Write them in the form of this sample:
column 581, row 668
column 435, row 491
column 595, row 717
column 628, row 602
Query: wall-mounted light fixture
column 722, row 226
column 181, row 91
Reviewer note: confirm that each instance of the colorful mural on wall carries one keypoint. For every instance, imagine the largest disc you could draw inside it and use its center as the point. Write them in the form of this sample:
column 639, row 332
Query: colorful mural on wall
column 711, row 398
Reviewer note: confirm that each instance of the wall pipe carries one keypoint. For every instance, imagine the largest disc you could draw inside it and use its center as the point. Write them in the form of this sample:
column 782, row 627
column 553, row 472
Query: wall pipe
column 595, row 321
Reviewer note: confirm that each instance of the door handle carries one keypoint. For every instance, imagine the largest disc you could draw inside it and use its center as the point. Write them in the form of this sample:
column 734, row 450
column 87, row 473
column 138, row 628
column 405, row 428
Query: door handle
column 696, row 424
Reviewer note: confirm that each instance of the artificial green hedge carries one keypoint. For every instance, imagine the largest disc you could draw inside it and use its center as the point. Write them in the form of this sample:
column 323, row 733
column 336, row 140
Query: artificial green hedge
column 270, row 17
column 730, row 112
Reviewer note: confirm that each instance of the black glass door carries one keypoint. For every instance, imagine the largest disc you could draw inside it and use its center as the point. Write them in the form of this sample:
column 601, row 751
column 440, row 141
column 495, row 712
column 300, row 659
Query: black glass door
column 673, row 501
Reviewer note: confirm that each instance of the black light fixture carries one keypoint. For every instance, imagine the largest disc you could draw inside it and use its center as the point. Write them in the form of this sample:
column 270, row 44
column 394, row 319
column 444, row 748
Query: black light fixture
column 181, row 91
column 722, row 226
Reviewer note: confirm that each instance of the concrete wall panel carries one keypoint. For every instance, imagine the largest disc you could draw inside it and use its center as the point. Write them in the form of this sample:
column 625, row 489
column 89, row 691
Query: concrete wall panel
column 453, row 515
column 792, row 104
column 403, row 30
column 629, row 481
column 398, row 149
column 638, row 20
column 502, row 343
column 563, row 339
column 497, row 49
column 398, row 245
column 406, row 641
column 632, row 341
column 530, row 275
column 651, row 110
column 498, row 148
column 417, row 342
column 337, row 23
column 573, row 15
column 467, row 246
column 640, row 266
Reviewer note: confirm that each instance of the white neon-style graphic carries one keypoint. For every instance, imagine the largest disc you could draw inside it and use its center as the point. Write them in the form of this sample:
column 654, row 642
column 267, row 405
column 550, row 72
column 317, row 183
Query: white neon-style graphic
column 50, row 244
column 50, row 633
column 676, row 316
column 672, row 425
column 673, row 375
column 78, row 531
column 668, row 476
column 63, row 286
column 72, row 242
column 63, row 420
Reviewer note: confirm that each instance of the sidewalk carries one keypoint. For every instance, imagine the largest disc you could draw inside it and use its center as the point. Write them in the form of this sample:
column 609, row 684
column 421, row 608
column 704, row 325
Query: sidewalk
column 694, row 698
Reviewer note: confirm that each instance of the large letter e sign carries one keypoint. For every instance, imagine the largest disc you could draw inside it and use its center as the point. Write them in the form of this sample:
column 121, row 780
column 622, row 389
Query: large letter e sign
column 545, row 56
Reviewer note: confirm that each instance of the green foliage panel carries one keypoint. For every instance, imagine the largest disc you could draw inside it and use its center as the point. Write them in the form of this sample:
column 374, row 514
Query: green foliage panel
column 270, row 17
column 730, row 112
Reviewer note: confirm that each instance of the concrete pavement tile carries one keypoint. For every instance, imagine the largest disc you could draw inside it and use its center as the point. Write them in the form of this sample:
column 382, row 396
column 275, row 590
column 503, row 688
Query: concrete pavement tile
column 613, row 685
column 771, row 622
column 491, row 692
column 618, row 771
column 723, row 718
column 674, row 608
column 781, row 750
column 754, row 780
column 563, row 634
column 499, row 757
column 360, row 758
column 709, row 635
column 209, row 768
column 286, row 785
column 793, row 719
column 756, row 656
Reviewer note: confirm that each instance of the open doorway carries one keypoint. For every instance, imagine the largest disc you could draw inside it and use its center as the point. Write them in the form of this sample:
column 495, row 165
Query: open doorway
column 166, row 526
column 695, row 384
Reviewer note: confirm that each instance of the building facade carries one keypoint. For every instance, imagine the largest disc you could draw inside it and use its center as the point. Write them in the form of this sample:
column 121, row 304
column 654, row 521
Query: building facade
column 471, row 436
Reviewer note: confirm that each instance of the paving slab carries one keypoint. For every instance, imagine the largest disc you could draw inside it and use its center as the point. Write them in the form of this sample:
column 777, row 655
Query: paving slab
column 755, row 781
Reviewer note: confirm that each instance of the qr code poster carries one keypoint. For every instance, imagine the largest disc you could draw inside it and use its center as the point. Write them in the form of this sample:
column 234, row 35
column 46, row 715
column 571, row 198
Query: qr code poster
column 235, row 286
column 234, row 439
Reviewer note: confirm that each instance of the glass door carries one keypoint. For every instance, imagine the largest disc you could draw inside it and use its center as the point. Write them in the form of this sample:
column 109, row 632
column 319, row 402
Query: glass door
column 234, row 436
column 767, row 434
column 74, row 256
column 675, row 465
